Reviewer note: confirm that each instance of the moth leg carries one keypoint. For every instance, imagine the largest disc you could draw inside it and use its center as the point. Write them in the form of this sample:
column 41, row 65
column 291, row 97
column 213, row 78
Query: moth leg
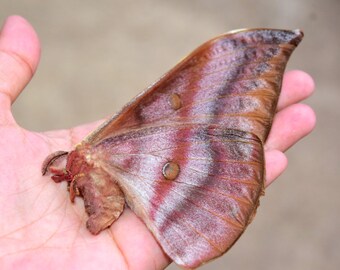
column 59, row 175
column 74, row 191
column 71, row 186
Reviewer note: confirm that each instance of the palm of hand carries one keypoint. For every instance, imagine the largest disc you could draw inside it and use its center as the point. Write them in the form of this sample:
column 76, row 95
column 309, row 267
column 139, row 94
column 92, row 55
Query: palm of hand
column 39, row 226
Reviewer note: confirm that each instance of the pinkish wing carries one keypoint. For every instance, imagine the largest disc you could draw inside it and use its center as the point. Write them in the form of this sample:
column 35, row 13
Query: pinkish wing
column 233, row 80
column 209, row 115
column 201, row 213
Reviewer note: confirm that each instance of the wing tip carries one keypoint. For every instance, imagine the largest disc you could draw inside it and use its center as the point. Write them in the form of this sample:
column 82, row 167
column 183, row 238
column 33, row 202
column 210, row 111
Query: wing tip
column 293, row 37
column 299, row 34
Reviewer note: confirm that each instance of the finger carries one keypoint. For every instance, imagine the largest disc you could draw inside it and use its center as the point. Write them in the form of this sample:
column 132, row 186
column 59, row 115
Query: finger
column 296, row 86
column 129, row 243
column 276, row 163
column 19, row 57
column 290, row 125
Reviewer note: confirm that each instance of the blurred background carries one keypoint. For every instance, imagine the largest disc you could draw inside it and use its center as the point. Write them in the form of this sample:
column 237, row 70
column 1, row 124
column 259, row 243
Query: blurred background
column 97, row 55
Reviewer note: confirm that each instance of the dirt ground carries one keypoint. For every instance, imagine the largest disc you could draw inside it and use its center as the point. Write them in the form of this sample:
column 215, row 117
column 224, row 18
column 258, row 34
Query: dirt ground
column 97, row 55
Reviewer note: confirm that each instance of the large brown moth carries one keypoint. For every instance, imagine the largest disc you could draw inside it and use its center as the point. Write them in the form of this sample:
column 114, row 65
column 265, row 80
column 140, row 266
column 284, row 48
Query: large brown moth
column 186, row 155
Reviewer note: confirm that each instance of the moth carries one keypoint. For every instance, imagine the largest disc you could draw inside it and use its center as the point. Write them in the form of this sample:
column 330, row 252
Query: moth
column 186, row 155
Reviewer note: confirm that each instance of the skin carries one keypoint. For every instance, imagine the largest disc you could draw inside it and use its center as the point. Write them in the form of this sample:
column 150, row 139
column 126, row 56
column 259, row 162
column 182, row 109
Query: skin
column 39, row 227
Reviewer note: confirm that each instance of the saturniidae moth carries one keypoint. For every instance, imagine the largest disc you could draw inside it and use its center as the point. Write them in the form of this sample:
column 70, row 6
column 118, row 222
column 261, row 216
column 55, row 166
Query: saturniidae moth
column 186, row 155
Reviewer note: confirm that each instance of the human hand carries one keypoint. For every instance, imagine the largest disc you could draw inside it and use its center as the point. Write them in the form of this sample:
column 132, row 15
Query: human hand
column 39, row 227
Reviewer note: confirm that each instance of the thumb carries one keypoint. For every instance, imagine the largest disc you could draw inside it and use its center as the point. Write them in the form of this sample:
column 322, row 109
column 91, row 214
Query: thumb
column 19, row 57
